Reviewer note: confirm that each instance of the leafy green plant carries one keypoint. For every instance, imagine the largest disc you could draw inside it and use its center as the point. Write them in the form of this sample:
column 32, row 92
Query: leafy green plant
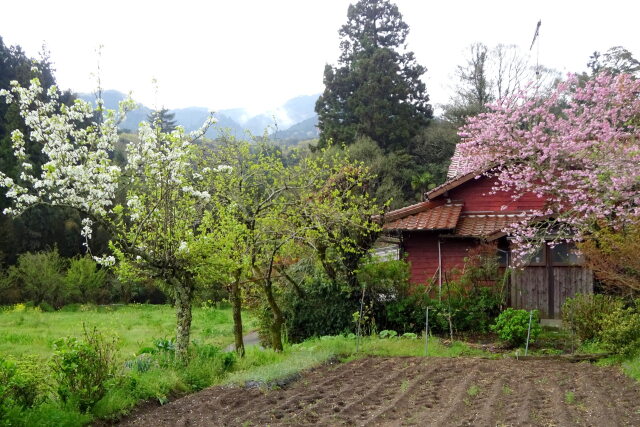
column 512, row 326
column 584, row 314
column 23, row 384
column 141, row 363
column 320, row 307
column 569, row 398
column 620, row 332
column 473, row 391
column 165, row 344
column 84, row 368
column 388, row 334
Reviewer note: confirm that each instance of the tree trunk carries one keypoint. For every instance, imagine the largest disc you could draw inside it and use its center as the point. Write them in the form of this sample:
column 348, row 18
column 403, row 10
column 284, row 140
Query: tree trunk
column 278, row 318
column 184, row 295
column 236, row 301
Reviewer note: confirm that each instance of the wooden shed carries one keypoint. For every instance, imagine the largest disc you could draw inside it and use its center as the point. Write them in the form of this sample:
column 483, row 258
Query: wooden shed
column 436, row 235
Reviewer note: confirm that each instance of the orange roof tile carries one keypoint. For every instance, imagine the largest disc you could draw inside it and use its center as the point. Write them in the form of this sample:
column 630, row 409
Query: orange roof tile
column 443, row 217
column 409, row 210
column 483, row 225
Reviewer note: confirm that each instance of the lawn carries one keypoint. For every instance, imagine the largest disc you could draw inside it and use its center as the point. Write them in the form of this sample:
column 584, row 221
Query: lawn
column 26, row 331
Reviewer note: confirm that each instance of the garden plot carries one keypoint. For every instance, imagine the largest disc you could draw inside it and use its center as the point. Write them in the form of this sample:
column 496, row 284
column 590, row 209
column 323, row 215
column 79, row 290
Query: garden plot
column 419, row 391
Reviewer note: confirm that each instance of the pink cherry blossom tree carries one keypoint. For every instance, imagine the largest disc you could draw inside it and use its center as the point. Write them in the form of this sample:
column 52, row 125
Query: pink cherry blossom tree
column 579, row 148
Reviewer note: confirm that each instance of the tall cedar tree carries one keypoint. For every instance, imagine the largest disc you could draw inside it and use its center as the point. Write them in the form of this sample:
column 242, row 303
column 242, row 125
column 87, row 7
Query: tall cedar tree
column 375, row 90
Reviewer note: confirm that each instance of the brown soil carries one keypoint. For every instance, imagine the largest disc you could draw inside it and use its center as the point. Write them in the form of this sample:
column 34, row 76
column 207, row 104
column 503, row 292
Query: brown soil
column 419, row 391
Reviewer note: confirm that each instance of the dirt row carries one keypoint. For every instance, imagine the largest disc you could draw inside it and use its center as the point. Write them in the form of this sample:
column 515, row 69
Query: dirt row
column 419, row 391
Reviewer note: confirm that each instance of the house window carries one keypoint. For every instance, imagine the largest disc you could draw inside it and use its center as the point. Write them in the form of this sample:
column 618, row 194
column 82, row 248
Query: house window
column 503, row 258
column 538, row 257
column 566, row 254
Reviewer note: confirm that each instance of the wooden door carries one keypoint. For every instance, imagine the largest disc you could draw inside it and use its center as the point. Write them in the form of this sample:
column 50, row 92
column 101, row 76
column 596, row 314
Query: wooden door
column 546, row 284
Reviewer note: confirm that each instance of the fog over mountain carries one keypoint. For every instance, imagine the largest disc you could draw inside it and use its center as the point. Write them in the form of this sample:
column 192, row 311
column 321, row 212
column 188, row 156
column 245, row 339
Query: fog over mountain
column 290, row 122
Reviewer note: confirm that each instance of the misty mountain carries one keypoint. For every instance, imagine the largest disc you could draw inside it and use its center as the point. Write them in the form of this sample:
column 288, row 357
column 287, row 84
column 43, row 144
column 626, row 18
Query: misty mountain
column 291, row 122
column 306, row 129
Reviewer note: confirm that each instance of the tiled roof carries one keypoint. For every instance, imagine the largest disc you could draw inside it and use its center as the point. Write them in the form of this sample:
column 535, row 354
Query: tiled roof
column 484, row 225
column 451, row 184
column 443, row 217
column 409, row 210
column 459, row 165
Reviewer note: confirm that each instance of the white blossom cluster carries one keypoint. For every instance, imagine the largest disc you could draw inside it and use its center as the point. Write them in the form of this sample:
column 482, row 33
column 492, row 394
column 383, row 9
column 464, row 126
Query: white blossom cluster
column 78, row 172
column 166, row 195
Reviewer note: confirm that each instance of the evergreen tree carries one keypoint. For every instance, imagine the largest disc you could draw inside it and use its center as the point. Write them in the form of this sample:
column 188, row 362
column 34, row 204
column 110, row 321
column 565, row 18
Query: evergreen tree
column 163, row 119
column 375, row 91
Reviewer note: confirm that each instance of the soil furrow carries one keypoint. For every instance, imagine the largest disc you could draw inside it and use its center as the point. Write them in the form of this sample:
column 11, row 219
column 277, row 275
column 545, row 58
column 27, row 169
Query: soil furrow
column 418, row 391
column 455, row 402
column 487, row 406
column 395, row 406
column 333, row 400
column 326, row 379
column 354, row 410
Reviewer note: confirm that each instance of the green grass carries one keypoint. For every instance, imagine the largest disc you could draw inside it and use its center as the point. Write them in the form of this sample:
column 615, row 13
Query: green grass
column 27, row 331
column 631, row 367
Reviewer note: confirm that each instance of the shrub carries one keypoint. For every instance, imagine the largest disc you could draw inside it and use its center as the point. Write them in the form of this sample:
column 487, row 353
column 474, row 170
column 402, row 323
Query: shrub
column 23, row 384
column 85, row 277
column 40, row 276
column 620, row 332
column 469, row 309
column 512, row 326
column 323, row 308
column 584, row 314
column 84, row 368
column 612, row 254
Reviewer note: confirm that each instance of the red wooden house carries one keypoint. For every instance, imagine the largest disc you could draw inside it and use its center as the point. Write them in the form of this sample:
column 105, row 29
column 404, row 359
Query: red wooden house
column 436, row 234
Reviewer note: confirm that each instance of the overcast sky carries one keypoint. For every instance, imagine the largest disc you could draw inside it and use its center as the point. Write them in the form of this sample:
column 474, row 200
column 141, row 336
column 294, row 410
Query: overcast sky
column 259, row 53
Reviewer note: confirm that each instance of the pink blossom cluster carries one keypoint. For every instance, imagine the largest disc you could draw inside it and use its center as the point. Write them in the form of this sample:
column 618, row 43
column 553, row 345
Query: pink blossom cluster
column 579, row 148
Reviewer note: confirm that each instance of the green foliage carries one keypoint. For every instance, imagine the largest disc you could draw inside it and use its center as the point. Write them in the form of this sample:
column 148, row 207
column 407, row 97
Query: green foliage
column 469, row 310
column 512, row 326
column 469, row 303
column 584, row 314
column 620, row 332
column 612, row 254
column 40, row 278
column 324, row 308
column 83, row 369
column 49, row 414
column 388, row 334
column 84, row 276
column 23, row 383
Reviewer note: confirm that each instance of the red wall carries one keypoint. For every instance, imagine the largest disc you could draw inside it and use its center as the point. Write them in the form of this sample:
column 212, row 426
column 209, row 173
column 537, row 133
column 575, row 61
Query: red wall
column 476, row 197
column 422, row 252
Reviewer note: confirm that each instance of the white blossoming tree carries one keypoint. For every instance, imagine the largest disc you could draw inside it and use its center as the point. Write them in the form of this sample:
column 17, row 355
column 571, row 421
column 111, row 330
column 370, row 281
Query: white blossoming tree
column 153, row 206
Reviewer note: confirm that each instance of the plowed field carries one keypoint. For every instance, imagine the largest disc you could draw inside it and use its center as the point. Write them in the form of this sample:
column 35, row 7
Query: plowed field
column 419, row 391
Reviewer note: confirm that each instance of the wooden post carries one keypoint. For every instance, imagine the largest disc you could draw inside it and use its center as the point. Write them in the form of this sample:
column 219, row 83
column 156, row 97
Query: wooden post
column 426, row 335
